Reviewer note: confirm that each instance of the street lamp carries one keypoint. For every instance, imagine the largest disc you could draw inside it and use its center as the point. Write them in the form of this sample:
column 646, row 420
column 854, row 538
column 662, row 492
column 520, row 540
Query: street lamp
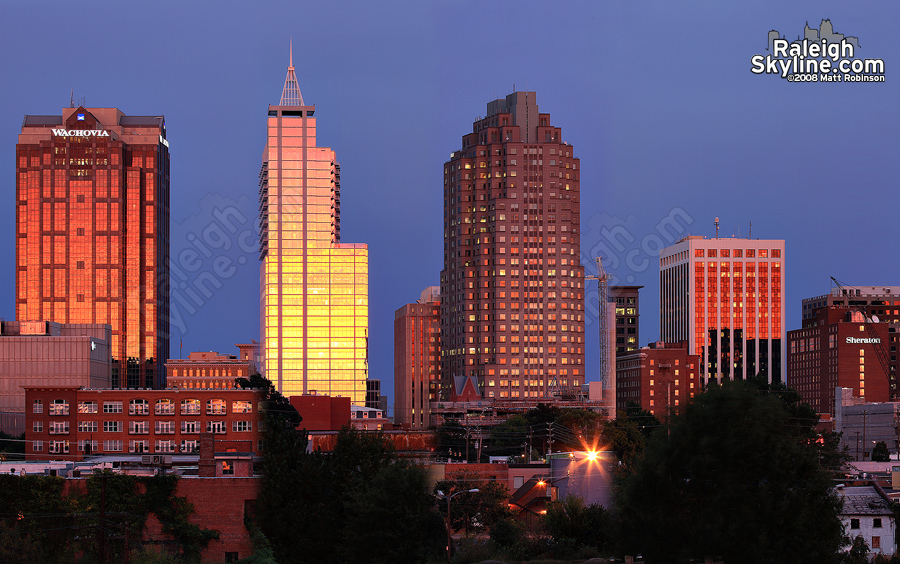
column 448, row 498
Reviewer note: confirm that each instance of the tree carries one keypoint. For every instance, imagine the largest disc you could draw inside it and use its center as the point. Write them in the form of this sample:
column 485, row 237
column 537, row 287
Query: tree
column 276, row 405
column 585, row 525
column 880, row 453
column 477, row 511
column 738, row 478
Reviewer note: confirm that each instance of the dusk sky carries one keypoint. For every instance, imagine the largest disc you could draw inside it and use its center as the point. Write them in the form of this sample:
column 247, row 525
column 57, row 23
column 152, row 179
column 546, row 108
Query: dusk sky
column 658, row 101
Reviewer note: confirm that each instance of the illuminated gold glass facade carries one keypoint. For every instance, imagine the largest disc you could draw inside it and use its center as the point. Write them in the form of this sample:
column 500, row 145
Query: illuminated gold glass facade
column 92, row 228
column 313, row 288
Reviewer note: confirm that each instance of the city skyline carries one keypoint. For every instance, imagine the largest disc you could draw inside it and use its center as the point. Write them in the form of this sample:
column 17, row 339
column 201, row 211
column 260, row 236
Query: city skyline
column 658, row 129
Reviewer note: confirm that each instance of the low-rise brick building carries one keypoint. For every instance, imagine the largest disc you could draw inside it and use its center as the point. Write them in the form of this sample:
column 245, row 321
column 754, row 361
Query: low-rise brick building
column 65, row 423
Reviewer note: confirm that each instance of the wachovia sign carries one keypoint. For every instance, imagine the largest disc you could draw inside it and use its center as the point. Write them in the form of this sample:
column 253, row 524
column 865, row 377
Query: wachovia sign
column 80, row 133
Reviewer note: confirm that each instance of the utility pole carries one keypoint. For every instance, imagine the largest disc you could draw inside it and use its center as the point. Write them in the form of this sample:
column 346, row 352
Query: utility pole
column 550, row 440
column 857, row 446
column 864, row 434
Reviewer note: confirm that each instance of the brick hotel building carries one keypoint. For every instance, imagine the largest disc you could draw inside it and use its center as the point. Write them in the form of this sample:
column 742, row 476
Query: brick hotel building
column 725, row 297
column 512, row 287
column 314, row 310
column 92, row 231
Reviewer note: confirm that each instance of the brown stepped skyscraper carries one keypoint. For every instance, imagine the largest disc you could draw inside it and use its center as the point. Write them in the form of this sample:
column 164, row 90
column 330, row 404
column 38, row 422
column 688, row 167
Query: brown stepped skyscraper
column 92, row 231
column 512, row 288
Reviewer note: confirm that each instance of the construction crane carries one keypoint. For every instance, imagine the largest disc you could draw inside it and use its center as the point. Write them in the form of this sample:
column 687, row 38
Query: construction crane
column 603, row 290
column 877, row 344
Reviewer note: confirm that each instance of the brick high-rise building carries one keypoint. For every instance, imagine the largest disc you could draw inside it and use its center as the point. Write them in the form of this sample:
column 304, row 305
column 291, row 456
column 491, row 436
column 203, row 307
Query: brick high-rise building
column 314, row 310
column 660, row 377
column 92, row 231
column 512, row 287
column 725, row 297
column 417, row 330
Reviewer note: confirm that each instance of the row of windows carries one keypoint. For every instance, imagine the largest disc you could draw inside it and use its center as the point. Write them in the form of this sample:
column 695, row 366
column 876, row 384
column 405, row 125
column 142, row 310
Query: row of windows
column 141, row 427
column 142, row 407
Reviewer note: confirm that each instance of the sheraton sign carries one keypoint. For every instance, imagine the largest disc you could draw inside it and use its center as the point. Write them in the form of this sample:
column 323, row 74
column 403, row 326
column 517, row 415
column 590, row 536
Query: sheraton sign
column 80, row 133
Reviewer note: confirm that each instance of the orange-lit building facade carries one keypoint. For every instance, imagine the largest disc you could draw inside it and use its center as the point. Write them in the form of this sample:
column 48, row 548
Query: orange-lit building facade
column 725, row 297
column 61, row 421
column 661, row 377
column 206, row 370
column 838, row 348
column 313, row 288
column 417, row 330
column 512, row 287
column 92, row 226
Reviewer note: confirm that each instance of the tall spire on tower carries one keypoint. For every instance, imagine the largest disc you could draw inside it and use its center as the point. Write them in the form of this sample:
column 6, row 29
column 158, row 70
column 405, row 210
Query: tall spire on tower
column 291, row 96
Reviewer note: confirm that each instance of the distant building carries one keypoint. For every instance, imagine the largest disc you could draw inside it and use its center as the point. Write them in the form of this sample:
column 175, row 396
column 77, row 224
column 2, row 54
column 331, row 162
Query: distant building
column 725, row 298
column 67, row 422
column 368, row 419
column 206, row 370
column 92, row 231
column 322, row 413
column 837, row 347
column 628, row 327
column 251, row 352
column 417, row 360
column 863, row 424
column 42, row 353
column 660, row 378
column 867, row 513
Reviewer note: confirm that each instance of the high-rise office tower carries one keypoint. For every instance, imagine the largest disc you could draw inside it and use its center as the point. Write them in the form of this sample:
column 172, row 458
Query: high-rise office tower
column 512, row 287
column 417, row 329
column 92, row 226
column 628, row 328
column 725, row 297
column 313, row 288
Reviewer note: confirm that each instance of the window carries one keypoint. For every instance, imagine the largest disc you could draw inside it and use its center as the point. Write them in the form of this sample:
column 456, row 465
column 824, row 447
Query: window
column 188, row 446
column 138, row 407
column 854, row 523
column 227, row 468
column 112, row 426
column 59, row 447
column 164, row 428
column 231, row 556
column 112, row 446
column 87, row 426
column 37, row 426
column 215, row 407
column 87, row 446
column 190, row 427
column 190, row 407
column 59, row 407
column 138, row 428
column 87, row 407
column 37, row 446
column 876, row 523
column 112, row 407
column 59, row 428
column 165, row 407
column 217, row 427
column 241, row 426
column 876, row 542
column 139, row 446
column 37, row 407
column 165, row 446
column 241, row 407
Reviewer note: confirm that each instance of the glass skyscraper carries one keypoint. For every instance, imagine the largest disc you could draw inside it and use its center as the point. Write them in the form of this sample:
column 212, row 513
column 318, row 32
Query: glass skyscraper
column 92, row 225
column 313, row 288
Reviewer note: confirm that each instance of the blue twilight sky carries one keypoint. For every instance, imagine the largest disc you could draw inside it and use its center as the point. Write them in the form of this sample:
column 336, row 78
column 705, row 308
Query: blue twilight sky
column 657, row 99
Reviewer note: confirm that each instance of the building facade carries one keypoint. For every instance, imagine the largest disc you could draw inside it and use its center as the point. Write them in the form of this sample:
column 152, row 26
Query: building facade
column 206, row 370
column 417, row 330
column 725, row 297
column 66, row 423
column 628, row 325
column 512, row 286
column 838, row 348
column 42, row 353
column 661, row 378
column 92, row 226
column 313, row 288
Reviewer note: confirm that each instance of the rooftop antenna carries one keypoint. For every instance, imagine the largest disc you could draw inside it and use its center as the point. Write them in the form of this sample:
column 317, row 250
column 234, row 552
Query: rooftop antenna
column 290, row 95
column 717, row 227
column 72, row 98
column 750, row 235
